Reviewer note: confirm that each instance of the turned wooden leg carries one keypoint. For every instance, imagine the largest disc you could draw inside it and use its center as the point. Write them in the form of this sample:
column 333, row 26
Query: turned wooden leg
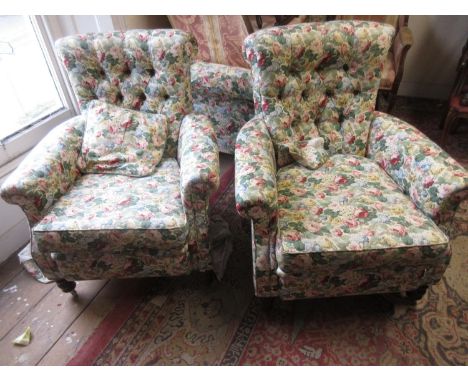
column 414, row 295
column 449, row 119
column 378, row 102
column 391, row 102
column 267, row 303
column 67, row 286
column 209, row 278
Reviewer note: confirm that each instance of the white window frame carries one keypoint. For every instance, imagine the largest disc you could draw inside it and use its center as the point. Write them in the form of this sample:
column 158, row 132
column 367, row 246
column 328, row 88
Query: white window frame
column 14, row 148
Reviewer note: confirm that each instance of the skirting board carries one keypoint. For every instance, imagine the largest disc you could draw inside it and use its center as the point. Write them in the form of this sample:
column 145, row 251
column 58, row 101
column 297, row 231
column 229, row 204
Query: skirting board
column 14, row 239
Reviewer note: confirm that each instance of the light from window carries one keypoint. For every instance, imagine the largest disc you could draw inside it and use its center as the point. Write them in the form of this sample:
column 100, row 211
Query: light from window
column 27, row 90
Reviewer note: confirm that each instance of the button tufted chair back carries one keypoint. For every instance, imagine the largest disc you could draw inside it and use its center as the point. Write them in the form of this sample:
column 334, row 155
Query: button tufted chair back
column 318, row 79
column 147, row 70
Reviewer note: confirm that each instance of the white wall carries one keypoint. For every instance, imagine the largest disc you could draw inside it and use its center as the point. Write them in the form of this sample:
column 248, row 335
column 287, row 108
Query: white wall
column 431, row 62
column 14, row 229
column 65, row 25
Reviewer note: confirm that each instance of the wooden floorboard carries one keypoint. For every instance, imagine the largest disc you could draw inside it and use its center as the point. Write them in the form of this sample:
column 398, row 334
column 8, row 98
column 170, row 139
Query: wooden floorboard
column 17, row 298
column 77, row 334
column 48, row 320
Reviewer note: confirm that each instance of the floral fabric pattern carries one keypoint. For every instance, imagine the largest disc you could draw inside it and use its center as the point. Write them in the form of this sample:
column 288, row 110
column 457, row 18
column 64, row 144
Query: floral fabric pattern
column 199, row 178
column 318, row 79
column 256, row 196
column 47, row 172
column 256, row 199
column 116, row 213
column 224, row 93
column 350, row 214
column 122, row 141
column 435, row 182
column 147, row 70
column 106, row 225
column 310, row 153
column 142, row 262
column 221, row 80
column 347, row 226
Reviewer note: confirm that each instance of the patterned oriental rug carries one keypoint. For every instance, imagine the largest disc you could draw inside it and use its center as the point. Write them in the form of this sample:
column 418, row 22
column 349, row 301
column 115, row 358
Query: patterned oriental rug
column 193, row 321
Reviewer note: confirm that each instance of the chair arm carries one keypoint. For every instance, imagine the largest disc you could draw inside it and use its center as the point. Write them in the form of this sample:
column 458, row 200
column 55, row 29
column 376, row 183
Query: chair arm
column 435, row 182
column 401, row 44
column 216, row 80
column 256, row 193
column 198, row 160
column 47, row 172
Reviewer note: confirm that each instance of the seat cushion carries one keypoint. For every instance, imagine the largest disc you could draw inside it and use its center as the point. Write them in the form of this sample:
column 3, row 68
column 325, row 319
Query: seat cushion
column 350, row 213
column 116, row 213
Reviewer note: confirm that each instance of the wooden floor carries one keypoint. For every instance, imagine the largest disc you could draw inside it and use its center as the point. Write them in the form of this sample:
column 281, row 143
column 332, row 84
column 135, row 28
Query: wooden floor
column 59, row 323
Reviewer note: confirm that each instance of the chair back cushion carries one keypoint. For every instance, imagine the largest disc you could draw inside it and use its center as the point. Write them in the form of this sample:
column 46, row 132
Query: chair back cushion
column 122, row 141
column 318, row 79
column 147, row 70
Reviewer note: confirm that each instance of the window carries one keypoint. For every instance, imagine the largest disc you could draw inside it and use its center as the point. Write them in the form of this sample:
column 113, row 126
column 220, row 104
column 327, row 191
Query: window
column 32, row 94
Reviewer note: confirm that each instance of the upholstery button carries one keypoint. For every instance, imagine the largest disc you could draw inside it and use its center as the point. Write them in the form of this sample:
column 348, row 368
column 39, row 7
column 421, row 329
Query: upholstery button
column 356, row 92
column 316, row 121
column 345, row 67
column 329, row 93
column 304, row 94
column 151, row 72
column 119, row 97
column 341, row 118
column 166, row 96
column 143, row 96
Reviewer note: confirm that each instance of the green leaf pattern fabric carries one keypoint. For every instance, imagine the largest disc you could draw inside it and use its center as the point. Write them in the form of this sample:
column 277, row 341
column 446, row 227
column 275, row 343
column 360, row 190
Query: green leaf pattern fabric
column 47, row 172
column 318, row 79
column 116, row 213
column 435, row 182
column 94, row 226
column 147, row 70
column 122, row 141
column 350, row 215
column 372, row 216
column 199, row 178
column 224, row 93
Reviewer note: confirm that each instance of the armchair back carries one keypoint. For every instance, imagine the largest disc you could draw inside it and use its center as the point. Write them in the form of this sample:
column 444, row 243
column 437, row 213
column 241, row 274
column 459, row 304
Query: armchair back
column 147, row 70
column 318, row 79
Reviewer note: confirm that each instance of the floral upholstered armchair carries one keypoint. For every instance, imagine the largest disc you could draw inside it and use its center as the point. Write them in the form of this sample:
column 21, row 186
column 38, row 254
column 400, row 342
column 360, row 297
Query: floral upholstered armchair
column 100, row 226
column 342, row 200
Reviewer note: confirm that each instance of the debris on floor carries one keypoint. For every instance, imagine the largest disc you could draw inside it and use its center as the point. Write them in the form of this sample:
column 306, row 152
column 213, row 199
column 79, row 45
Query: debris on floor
column 12, row 289
column 24, row 338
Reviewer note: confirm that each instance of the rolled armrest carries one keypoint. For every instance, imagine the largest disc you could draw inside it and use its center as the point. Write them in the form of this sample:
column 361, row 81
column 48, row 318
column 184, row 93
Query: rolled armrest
column 47, row 172
column 256, row 193
column 435, row 182
column 198, row 159
column 216, row 80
